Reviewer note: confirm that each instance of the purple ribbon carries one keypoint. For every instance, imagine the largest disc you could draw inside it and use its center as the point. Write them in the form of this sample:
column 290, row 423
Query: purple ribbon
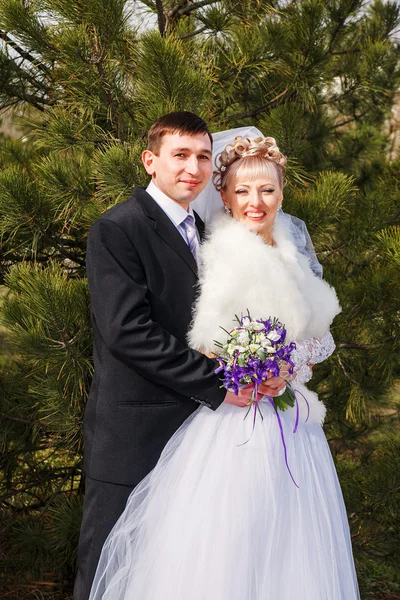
column 283, row 439
column 297, row 415
column 255, row 404
column 306, row 401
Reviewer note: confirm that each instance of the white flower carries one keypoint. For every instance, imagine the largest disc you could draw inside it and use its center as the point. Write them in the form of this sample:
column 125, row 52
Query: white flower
column 270, row 350
column 233, row 349
column 260, row 337
column 254, row 347
column 273, row 336
column 246, row 321
column 266, row 343
column 243, row 337
column 258, row 326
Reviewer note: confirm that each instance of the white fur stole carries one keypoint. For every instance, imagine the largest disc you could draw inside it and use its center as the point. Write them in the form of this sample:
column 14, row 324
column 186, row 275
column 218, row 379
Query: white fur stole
column 240, row 272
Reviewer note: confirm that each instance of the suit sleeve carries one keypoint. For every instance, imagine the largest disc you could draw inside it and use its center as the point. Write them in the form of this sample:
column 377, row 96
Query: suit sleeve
column 122, row 314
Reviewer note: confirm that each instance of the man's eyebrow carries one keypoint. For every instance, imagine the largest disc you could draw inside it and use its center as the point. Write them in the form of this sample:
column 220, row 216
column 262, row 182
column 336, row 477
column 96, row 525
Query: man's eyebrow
column 189, row 150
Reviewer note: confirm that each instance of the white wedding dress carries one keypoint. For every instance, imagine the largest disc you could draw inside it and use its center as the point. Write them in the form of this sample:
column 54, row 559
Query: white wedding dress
column 220, row 519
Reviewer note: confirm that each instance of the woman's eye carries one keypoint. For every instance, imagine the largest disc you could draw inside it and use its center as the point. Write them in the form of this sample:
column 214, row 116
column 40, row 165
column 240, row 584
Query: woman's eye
column 267, row 191
column 241, row 191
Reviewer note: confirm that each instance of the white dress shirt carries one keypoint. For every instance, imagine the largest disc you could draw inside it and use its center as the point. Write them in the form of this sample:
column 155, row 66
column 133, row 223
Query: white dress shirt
column 174, row 211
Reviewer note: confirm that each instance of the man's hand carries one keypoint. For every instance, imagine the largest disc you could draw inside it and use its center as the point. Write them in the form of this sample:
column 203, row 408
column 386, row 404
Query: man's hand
column 272, row 388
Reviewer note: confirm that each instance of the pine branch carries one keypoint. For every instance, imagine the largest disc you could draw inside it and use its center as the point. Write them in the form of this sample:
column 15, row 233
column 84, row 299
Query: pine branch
column 190, row 35
column 98, row 57
column 339, row 25
column 354, row 346
column 191, row 7
column 9, row 104
column 184, row 8
column 19, row 95
column 353, row 119
column 32, row 100
column 17, row 419
column 10, row 90
column 393, row 219
column 67, row 475
column 161, row 19
column 64, row 344
column 256, row 111
column 346, row 372
column 23, row 53
column 59, row 252
column 326, row 252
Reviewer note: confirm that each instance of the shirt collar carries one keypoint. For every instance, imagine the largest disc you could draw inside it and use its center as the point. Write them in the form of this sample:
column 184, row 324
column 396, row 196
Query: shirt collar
column 173, row 210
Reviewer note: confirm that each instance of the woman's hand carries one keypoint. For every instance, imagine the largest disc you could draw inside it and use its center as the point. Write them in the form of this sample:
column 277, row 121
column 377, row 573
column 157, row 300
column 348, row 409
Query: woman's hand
column 272, row 388
column 284, row 372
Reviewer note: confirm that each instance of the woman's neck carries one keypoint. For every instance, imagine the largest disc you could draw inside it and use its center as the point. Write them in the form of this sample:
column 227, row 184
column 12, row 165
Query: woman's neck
column 268, row 238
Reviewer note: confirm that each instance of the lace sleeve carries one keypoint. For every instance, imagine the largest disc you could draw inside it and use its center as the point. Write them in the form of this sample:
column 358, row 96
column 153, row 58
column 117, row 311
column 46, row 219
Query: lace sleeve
column 311, row 352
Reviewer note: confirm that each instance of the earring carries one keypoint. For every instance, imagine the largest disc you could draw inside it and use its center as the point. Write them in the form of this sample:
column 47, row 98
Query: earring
column 227, row 210
column 280, row 210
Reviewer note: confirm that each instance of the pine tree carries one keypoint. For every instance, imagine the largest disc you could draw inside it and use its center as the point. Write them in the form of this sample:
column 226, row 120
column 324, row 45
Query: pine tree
column 86, row 83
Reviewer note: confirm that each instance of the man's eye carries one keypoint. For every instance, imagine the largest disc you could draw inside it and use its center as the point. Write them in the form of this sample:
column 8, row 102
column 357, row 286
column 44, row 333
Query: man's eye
column 180, row 155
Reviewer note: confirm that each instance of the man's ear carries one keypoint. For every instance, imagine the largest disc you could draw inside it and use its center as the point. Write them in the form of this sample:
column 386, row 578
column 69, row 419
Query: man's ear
column 148, row 161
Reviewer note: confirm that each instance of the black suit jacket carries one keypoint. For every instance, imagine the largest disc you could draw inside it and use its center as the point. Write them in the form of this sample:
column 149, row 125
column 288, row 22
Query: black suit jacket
column 142, row 281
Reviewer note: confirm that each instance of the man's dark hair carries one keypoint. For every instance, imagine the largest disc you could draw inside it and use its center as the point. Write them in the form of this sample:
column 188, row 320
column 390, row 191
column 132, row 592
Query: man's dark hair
column 182, row 122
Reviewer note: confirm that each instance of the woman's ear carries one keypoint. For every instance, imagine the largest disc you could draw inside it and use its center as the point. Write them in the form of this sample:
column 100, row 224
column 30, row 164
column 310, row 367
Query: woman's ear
column 224, row 200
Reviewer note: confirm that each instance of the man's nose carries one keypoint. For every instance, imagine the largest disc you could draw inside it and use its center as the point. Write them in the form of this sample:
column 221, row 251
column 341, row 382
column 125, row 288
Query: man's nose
column 192, row 165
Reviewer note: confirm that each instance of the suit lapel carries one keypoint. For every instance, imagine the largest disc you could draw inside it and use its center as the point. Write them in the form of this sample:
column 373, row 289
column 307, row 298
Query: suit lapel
column 165, row 228
column 200, row 226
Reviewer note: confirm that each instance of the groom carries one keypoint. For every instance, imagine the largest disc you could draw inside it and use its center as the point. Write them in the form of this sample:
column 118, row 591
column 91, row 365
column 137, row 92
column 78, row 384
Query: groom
column 142, row 273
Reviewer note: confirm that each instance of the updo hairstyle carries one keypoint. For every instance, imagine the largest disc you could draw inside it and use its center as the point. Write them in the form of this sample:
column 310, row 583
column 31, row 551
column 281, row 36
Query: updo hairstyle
column 256, row 155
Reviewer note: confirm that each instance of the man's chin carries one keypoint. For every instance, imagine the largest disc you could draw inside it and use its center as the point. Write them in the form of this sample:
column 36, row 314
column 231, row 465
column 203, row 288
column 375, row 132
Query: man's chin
column 187, row 198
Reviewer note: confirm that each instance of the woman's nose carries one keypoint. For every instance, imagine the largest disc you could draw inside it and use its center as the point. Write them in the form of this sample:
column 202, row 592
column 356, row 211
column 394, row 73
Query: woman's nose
column 255, row 198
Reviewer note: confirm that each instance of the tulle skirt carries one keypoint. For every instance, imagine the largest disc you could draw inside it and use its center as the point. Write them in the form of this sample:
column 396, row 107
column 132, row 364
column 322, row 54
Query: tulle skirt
column 219, row 517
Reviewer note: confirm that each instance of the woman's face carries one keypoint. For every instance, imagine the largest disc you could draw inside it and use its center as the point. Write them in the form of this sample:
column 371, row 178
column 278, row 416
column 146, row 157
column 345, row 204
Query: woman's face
column 255, row 202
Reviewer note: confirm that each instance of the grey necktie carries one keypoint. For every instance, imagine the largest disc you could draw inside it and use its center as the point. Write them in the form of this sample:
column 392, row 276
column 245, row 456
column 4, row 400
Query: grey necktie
column 190, row 228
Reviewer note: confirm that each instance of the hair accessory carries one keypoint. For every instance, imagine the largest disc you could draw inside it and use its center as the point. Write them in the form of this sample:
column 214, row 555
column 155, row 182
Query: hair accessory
column 246, row 147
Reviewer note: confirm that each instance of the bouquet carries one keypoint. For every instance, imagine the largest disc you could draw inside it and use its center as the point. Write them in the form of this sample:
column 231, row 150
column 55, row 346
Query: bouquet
column 255, row 351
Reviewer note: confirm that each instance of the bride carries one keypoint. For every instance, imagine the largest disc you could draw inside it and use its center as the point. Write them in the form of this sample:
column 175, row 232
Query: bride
column 218, row 518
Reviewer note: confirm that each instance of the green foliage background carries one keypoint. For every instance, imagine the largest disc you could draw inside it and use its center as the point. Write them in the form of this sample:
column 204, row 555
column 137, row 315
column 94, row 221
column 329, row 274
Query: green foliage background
column 86, row 82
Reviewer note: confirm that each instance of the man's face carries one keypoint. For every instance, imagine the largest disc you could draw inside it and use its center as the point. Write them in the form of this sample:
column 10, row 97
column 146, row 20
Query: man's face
column 183, row 166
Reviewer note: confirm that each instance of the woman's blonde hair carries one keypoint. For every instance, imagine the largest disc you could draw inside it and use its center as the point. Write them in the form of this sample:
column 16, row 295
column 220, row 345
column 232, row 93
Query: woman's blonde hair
column 256, row 155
